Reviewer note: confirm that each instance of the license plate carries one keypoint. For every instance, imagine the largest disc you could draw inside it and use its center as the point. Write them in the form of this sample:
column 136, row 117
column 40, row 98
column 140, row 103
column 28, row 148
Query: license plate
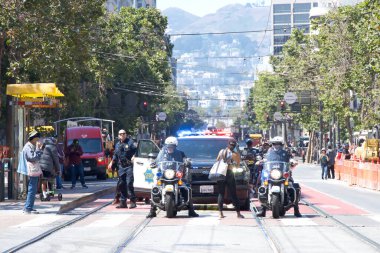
column 169, row 188
column 275, row 188
column 87, row 168
column 206, row 189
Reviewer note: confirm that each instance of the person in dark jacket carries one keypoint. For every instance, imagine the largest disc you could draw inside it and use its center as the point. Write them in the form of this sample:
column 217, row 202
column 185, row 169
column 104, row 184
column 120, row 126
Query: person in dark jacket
column 74, row 153
column 330, row 167
column 49, row 163
column 125, row 149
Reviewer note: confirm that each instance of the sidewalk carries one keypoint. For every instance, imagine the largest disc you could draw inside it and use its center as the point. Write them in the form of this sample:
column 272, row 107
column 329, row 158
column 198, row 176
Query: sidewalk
column 71, row 198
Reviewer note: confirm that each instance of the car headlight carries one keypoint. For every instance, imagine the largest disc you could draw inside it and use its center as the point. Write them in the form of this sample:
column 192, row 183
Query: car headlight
column 169, row 174
column 275, row 174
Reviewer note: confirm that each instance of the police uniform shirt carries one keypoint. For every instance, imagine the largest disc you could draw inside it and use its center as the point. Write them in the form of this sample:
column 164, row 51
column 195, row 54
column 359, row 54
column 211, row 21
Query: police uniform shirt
column 126, row 146
column 164, row 155
column 278, row 156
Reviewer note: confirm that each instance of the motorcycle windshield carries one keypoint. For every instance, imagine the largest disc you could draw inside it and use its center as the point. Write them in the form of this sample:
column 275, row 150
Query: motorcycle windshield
column 169, row 165
column 282, row 166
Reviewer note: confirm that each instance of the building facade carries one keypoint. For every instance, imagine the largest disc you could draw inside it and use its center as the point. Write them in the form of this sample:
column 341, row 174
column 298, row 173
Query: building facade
column 286, row 16
column 115, row 5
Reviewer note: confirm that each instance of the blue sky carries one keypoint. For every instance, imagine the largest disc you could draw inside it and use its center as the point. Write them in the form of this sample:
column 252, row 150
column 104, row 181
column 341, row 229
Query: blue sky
column 199, row 7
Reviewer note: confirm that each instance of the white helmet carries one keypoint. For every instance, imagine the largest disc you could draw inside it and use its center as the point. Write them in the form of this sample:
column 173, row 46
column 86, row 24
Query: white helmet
column 171, row 141
column 277, row 139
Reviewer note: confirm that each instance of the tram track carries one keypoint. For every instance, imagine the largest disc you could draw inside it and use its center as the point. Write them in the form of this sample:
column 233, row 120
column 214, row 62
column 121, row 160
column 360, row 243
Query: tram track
column 343, row 226
column 55, row 229
column 268, row 234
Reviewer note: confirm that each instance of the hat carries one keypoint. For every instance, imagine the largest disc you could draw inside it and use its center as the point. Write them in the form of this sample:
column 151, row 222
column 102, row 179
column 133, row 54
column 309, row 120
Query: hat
column 232, row 143
column 323, row 149
column 34, row 134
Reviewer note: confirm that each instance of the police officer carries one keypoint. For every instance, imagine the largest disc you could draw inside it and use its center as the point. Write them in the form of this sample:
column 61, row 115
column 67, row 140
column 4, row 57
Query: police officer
column 125, row 149
column 278, row 154
column 171, row 153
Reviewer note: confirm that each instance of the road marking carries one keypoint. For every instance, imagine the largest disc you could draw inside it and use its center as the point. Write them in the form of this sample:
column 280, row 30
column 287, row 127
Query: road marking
column 204, row 221
column 298, row 222
column 39, row 221
column 375, row 217
column 108, row 221
column 330, row 206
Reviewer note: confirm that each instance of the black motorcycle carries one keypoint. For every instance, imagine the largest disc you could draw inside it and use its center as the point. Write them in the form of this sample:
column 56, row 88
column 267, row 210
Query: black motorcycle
column 277, row 192
column 170, row 193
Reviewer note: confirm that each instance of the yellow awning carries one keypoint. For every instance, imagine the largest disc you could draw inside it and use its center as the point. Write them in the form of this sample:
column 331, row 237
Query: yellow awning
column 34, row 90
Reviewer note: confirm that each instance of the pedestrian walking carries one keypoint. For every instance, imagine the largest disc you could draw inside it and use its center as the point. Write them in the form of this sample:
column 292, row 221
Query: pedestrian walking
column 331, row 154
column 233, row 160
column 32, row 154
column 125, row 149
column 73, row 153
column 324, row 160
column 61, row 158
column 49, row 163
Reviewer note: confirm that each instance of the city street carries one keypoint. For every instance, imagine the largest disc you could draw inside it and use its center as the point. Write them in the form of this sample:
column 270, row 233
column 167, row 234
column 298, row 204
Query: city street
column 123, row 230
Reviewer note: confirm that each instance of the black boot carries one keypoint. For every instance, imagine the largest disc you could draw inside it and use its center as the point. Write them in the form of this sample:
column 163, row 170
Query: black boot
column 192, row 212
column 132, row 204
column 152, row 212
column 262, row 212
column 123, row 204
column 297, row 211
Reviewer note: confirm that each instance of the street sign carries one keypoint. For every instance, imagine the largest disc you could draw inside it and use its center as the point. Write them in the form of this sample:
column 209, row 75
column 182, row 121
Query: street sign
column 295, row 107
column 161, row 116
column 290, row 98
column 277, row 116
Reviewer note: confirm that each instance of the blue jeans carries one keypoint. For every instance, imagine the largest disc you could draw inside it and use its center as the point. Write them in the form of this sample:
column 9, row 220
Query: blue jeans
column 58, row 178
column 31, row 196
column 324, row 171
column 75, row 169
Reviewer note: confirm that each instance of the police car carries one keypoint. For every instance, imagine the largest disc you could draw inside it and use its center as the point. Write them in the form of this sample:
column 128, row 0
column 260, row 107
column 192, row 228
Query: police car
column 203, row 151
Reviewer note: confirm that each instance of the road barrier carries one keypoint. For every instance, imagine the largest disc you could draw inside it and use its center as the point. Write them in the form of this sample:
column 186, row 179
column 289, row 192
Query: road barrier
column 359, row 173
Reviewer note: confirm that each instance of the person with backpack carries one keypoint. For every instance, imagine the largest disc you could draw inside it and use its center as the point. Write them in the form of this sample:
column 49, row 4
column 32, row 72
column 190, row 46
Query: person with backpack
column 324, row 160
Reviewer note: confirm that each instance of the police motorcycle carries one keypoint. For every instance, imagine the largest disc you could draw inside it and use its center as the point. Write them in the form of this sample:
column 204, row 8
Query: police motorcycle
column 277, row 192
column 168, row 193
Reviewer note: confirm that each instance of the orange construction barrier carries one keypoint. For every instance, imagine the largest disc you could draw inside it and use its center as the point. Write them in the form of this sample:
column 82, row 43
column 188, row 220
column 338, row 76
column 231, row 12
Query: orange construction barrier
column 360, row 178
column 373, row 176
column 378, row 176
column 338, row 167
column 354, row 172
column 366, row 175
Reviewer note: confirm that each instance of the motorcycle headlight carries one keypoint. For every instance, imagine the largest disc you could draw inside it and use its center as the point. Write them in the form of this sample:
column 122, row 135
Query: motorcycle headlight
column 275, row 174
column 169, row 174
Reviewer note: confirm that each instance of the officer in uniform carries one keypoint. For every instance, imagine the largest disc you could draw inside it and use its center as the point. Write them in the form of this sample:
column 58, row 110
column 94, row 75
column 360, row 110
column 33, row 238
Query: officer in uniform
column 171, row 153
column 125, row 149
column 278, row 154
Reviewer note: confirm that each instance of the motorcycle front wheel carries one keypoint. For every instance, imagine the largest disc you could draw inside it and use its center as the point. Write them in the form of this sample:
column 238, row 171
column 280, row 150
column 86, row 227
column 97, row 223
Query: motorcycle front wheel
column 169, row 206
column 276, row 206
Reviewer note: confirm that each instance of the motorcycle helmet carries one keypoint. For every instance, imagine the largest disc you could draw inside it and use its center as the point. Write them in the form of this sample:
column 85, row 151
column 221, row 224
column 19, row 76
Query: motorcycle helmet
column 249, row 142
column 171, row 141
column 277, row 140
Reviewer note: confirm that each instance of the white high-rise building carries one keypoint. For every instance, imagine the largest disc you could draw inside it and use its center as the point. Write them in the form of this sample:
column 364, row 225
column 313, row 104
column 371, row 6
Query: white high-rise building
column 288, row 15
column 115, row 5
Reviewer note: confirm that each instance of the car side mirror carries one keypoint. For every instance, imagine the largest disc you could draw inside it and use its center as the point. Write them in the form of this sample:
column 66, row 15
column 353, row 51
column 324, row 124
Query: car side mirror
column 152, row 155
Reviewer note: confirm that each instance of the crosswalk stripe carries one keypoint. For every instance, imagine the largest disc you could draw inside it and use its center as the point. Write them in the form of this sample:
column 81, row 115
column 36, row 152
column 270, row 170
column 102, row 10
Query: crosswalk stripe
column 109, row 220
column 204, row 221
column 39, row 221
column 298, row 222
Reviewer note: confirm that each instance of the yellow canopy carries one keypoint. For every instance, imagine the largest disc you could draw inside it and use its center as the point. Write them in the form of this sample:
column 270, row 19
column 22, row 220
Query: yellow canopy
column 34, row 90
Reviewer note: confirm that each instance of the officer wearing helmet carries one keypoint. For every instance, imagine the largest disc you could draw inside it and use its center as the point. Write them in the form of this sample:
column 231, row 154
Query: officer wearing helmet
column 170, row 153
column 278, row 154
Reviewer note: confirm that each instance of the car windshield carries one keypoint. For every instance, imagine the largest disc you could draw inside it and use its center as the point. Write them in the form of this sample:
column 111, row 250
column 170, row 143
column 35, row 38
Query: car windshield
column 202, row 149
column 89, row 145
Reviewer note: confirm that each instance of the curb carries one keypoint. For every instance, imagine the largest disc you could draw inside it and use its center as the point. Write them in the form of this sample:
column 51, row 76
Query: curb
column 85, row 199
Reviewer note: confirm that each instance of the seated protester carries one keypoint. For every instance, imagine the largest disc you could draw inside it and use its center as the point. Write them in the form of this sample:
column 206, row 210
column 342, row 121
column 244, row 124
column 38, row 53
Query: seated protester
column 171, row 153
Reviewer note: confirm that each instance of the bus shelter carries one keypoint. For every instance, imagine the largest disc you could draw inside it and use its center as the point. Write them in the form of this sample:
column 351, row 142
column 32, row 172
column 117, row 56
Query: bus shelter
column 26, row 96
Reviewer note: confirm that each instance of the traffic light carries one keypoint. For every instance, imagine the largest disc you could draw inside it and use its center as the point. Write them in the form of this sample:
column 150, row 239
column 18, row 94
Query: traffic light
column 144, row 106
column 282, row 105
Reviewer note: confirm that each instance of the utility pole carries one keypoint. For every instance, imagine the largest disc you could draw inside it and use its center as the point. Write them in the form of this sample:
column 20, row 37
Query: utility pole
column 320, row 124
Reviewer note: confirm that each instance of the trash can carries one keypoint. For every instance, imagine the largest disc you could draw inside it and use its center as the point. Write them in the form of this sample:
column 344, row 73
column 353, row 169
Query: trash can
column 6, row 169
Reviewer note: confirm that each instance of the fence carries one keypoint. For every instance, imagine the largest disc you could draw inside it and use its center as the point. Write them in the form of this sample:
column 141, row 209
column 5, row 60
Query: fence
column 362, row 174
